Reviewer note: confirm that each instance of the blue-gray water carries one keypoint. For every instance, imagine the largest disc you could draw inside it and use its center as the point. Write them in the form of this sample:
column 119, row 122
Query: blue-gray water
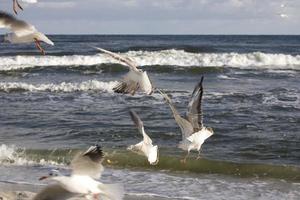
column 64, row 100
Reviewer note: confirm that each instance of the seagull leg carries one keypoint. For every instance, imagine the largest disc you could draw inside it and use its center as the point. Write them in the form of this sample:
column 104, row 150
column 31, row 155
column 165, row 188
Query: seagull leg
column 185, row 157
column 19, row 5
column 15, row 6
column 96, row 196
column 38, row 45
column 199, row 156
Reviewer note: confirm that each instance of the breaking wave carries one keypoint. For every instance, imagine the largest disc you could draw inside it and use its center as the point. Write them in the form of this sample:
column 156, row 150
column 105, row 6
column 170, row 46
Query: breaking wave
column 93, row 85
column 11, row 155
column 165, row 57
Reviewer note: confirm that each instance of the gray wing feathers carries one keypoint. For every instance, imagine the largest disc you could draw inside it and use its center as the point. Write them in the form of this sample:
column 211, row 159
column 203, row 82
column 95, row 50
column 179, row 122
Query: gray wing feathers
column 20, row 27
column 194, row 114
column 130, row 63
column 53, row 192
column 139, row 124
column 88, row 163
column 123, row 87
column 185, row 126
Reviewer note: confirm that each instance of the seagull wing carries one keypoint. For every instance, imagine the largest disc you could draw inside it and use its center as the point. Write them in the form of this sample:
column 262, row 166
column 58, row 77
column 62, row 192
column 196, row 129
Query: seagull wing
column 139, row 124
column 19, row 27
column 130, row 63
column 89, row 163
column 194, row 114
column 185, row 126
column 53, row 192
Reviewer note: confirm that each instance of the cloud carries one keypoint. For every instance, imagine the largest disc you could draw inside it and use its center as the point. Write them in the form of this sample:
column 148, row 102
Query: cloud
column 56, row 5
column 164, row 16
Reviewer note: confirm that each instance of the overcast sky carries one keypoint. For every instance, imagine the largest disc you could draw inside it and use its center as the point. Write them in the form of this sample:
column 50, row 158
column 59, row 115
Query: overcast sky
column 162, row 16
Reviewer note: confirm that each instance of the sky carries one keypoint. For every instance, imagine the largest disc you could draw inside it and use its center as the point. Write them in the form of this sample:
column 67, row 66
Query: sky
column 161, row 16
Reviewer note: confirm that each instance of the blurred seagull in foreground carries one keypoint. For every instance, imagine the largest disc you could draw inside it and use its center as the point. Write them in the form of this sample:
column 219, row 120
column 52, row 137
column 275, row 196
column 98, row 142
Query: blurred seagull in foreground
column 22, row 32
column 144, row 147
column 135, row 79
column 16, row 4
column 86, row 167
column 194, row 133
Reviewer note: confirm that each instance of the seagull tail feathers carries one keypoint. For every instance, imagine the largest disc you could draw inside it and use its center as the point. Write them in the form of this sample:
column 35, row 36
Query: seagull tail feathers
column 112, row 191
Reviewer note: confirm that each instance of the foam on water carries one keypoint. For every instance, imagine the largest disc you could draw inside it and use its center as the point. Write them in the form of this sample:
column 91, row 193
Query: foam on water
column 61, row 87
column 11, row 155
column 164, row 57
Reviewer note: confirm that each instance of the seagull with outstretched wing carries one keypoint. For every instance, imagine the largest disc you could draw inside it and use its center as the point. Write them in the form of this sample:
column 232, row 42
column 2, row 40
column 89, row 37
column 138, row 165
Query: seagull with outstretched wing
column 144, row 147
column 86, row 167
column 193, row 132
column 136, row 79
column 22, row 32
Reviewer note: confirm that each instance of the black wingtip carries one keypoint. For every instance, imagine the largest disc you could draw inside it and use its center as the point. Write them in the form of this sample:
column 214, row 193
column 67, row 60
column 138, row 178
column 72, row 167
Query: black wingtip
column 94, row 150
column 201, row 80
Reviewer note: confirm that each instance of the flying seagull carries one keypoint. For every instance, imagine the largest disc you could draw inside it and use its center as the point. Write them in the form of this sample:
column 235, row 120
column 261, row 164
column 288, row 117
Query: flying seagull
column 135, row 79
column 144, row 147
column 16, row 4
column 194, row 133
column 22, row 32
column 86, row 167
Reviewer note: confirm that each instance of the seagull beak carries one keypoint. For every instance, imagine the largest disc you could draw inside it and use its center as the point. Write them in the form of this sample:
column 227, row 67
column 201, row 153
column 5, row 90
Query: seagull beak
column 43, row 178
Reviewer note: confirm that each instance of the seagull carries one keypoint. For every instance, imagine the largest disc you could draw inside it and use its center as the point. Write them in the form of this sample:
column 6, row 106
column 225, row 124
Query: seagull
column 16, row 4
column 22, row 32
column 134, row 80
column 144, row 147
column 194, row 133
column 86, row 167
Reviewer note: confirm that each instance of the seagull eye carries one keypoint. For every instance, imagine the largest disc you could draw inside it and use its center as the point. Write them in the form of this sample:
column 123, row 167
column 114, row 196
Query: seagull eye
column 51, row 174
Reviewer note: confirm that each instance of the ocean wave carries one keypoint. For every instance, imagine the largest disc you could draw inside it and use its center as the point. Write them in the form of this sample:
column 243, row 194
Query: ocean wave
column 93, row 85
column 11, row 155
column 172, row 57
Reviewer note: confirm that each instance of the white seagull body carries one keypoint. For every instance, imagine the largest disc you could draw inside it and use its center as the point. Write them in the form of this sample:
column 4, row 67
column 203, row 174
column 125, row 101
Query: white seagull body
column 86, row 168
column 144, row 147
column 22, row 32
column 135, row 79
column 193, row 132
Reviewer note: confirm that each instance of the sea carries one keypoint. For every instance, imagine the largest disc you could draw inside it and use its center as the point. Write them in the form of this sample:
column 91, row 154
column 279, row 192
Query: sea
column 54, row 106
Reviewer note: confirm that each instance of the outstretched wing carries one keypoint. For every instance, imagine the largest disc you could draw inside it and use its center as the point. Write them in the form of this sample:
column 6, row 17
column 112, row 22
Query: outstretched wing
column 139, row 124
column 185, row 126
column 19, row 27
column 53, row 192
column 194, row 114
column 89, row 163
column 130, row 63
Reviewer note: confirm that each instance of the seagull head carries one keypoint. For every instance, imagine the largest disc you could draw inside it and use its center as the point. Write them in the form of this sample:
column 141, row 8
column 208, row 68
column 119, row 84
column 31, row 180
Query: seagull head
column 52, row 173
column 42, row 37
column 210, row 130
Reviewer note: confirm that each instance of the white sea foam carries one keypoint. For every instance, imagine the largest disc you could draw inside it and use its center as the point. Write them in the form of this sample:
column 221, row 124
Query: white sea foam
column 61, row 87
column 165, row 57
column 11, row 155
